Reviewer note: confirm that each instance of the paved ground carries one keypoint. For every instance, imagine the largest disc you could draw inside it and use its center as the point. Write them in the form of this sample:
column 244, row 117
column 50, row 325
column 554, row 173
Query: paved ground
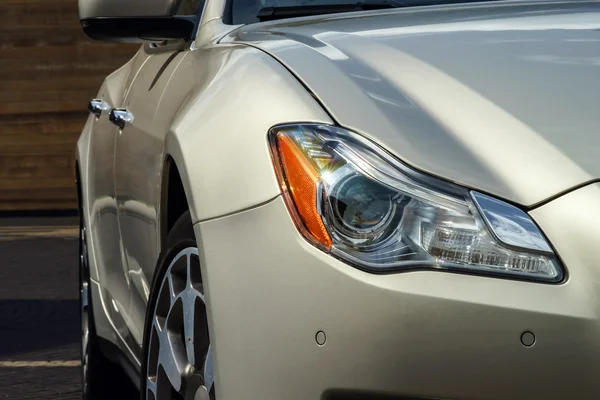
column 39, row 315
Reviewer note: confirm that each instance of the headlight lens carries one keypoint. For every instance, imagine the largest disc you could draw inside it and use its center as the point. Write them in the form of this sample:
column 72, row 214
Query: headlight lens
column 350, row 198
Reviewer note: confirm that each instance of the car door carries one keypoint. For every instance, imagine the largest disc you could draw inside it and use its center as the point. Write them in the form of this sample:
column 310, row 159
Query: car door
column 107, row 267
column 138, row 167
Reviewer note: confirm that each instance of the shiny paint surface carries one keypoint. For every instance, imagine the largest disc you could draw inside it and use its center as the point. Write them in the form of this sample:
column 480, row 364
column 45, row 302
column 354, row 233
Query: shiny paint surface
column 138, row 167
column 171, row 96
column 427, row 334
column 499, row 97
column 107, row 266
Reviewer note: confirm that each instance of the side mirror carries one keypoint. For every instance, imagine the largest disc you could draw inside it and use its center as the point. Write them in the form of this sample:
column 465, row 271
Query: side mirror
column 138, row 20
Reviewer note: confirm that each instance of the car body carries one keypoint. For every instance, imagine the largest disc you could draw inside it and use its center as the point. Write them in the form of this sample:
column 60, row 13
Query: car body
column 495, row 97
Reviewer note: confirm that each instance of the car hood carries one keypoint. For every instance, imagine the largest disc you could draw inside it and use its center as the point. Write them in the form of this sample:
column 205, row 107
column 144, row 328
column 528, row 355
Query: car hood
column 501, row 97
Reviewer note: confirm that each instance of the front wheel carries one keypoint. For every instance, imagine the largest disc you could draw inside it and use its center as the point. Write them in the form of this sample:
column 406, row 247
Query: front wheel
column 177, row 353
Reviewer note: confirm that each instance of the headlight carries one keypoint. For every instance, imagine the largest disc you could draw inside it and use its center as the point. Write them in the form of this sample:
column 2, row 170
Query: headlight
column 350, row 198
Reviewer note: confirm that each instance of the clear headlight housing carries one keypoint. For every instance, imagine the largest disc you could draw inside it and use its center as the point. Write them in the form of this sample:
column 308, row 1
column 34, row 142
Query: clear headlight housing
column 350, row 198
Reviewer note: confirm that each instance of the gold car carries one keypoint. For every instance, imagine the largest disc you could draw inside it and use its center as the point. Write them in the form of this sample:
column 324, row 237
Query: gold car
column 298, row 200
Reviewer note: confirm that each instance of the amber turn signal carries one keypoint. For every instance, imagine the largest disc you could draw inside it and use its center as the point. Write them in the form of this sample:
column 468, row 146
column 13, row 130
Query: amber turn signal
column 299, row 181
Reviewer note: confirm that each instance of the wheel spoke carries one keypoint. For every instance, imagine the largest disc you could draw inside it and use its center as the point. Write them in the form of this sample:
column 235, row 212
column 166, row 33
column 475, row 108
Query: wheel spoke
column 85, row 337
column 151, row 388
column 188, row 271
column 84, row 250
column 84, row 305
column 84, row 296
column 180, row 359
column 207, row 371
column 193, row 275
column 171, row 288
column 189, row 298
column 172, row 365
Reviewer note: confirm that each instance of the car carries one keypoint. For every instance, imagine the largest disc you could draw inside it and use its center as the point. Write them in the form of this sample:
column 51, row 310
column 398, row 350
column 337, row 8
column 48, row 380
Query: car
column 292, row 200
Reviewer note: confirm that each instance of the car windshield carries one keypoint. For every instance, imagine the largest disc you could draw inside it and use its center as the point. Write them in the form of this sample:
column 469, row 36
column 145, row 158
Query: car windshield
column 251, row 11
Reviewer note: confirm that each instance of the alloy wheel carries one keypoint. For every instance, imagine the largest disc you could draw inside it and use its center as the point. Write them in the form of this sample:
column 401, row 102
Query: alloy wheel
column 179, row 364
column 83, row 307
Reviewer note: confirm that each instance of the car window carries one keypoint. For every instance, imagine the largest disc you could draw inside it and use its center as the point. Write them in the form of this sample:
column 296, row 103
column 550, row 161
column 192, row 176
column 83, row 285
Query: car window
column 188, row 7
column 246, row 11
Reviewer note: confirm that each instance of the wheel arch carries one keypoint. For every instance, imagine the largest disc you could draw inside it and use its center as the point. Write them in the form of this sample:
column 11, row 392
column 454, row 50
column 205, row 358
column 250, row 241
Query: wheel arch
column 218, row 136
column 173, row 197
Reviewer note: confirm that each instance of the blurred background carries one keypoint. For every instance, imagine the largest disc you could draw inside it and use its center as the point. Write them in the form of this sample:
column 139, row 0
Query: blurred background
column 49, row 71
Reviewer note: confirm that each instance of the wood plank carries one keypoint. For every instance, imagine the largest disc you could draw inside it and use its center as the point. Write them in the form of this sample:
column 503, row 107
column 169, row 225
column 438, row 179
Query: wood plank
column 17, row 166
column 48, row 72
column 26, row 3
column 40, row 145
column 62, row 95
column 34, row 194
column 30, row 132
column 49, row 118
column 36, row 187
column 45, row 106
column 25, row 125
column 29, row 205
column 86, row 50
column 63, row 196
column 89, row 72
column 39, row 149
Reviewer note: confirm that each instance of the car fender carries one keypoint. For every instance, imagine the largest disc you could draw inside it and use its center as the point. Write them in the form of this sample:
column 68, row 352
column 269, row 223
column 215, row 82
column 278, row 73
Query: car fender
column 218, row 140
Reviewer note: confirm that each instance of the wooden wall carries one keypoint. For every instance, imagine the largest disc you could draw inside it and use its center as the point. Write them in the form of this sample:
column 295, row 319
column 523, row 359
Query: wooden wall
column 49, row 71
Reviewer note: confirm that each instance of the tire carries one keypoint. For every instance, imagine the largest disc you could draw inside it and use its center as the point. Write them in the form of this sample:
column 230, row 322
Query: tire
column 176, row 322
column 101, row 379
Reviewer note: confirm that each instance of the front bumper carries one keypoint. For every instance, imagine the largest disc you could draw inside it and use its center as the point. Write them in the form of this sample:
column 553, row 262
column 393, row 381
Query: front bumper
column 421, row 334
